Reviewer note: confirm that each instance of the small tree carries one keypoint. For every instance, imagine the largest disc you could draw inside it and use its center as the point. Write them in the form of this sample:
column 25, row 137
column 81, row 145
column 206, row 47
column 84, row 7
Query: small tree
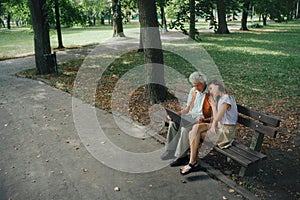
column 192, row 31
column 246, row 7
column 117, row 19
column 58, row 28
column 162, row 4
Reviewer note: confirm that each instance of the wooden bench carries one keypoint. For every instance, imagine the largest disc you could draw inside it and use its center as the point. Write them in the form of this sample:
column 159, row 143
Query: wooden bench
column 262, row 125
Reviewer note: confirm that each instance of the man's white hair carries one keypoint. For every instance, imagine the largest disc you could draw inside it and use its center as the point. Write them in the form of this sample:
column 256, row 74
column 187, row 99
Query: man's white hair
column 197, row 77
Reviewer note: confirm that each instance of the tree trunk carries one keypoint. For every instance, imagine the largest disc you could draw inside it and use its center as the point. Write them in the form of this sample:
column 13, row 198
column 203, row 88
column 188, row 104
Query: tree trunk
column 2, row 22
column 163, row 19
column 44, row 63
column 297, row 10
column 8, row 20
column 117, row 19
column 156, row 90
column 141, row 45
column 58, row 27
column 192, row 31
column 102, row 22
column 222, row 24
column 246, row 8
column 264, row 17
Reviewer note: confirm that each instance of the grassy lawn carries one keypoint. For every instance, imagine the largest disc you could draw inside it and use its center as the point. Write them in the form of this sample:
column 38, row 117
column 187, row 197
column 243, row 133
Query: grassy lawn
column 19, row 41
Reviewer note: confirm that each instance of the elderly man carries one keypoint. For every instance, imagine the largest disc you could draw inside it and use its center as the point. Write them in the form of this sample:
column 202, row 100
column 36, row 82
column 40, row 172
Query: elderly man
column 197, row 107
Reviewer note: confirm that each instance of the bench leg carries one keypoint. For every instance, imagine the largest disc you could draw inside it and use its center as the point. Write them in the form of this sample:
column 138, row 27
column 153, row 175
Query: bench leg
column 249, row 171
column 257, row 141
column 242, row 172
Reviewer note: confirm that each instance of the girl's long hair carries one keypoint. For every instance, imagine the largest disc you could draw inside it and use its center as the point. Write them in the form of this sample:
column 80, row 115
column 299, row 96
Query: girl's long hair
column 220, row 85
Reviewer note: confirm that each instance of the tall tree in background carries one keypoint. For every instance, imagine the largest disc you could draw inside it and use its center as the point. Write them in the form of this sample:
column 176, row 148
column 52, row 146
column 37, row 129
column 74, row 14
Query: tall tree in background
column 58, row 28
column 222, row 23
column 162, row 4
column 246, row 7
column 42, row 49
column 192, row 31
column 117, row 19
column 153, row 56
column 297, row 10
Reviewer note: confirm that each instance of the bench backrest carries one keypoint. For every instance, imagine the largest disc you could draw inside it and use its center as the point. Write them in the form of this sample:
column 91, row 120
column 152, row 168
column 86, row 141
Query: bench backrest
column 259, row 122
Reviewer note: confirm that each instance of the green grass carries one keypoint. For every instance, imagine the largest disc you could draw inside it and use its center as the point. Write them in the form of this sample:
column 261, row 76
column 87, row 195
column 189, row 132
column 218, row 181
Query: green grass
column 19, row 41
column 15, row 42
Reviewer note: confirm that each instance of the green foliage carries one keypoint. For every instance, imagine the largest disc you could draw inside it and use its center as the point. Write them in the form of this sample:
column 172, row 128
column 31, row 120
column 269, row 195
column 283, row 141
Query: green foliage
column 70, row 13
column 277, row 10
column 95, row 10
column 17, row 9
column 179, row 11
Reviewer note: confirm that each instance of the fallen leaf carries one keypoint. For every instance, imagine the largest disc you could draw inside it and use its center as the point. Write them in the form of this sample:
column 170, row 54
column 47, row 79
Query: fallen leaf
column 84, row 169
column 231, row 190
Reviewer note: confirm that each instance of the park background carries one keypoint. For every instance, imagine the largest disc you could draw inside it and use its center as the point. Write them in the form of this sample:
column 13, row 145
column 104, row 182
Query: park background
column 259, row 65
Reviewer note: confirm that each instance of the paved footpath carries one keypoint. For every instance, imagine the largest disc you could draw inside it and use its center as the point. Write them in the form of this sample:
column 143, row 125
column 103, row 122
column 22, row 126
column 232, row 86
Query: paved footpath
column 43, row 157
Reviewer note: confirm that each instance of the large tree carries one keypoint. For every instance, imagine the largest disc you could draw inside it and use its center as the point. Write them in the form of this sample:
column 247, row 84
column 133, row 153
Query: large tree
column 151, row 41
column 43, row 59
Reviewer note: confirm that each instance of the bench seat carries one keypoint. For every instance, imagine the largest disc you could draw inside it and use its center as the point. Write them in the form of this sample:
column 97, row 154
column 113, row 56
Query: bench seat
column 241, row 154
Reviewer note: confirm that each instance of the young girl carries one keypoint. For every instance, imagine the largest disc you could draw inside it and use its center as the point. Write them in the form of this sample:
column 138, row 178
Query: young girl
column 222, row 130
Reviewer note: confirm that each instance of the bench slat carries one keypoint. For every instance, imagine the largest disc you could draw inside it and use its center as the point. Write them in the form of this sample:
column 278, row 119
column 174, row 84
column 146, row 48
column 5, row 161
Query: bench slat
column 235, row 156
column 259, row 116
column 247, row 154
column 257, row 126
column 250, row 151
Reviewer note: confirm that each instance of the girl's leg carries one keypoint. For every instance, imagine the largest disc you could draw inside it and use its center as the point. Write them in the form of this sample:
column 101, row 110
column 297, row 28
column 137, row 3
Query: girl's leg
column 197, row 133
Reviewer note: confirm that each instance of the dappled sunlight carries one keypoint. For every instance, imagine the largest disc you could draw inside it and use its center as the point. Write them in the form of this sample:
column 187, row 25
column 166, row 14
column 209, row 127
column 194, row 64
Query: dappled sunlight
column 257, row 89
column 255, row 51
column 126, row 62
column 259, row 41
column 252, row 51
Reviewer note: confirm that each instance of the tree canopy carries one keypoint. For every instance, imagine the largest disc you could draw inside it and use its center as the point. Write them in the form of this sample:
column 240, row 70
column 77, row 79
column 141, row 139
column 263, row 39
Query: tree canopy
column 177, row 12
